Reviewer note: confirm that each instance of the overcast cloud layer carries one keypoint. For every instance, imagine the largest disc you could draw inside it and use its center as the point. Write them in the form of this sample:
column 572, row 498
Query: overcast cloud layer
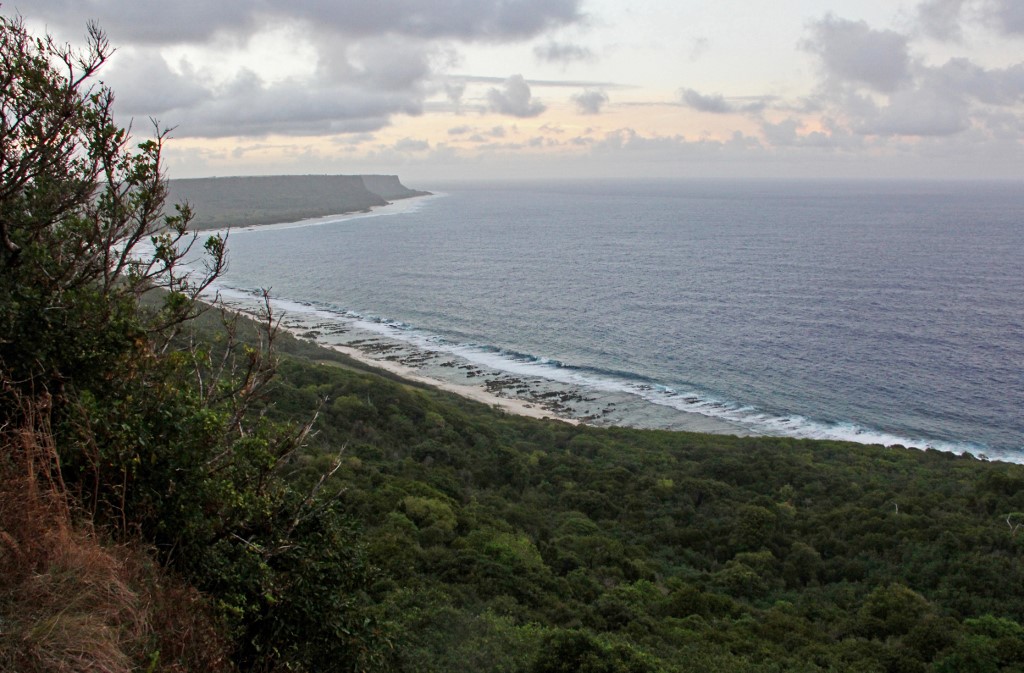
column 933, row 86
column 373, row 59
column 147, row 21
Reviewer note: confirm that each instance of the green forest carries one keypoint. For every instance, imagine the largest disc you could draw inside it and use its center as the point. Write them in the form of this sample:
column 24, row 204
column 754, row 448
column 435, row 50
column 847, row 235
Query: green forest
column 182, row 489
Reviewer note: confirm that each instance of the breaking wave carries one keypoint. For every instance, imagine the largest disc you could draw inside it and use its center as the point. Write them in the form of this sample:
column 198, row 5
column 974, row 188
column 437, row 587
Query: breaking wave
column 689, row 400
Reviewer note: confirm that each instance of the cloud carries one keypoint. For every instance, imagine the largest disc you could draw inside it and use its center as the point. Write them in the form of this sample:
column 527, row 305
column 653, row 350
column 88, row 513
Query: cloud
column 946, row 19
column 559, row 52
column 454, row 92
column 715, row 103
column 853, row 52
column 961, row 77
column 478, row 135
column 787, row 134
column 921, row 112
column 411, row 145
column 352, row 139
column 247, row 106
column 368, row 86
column 718, row 104
column 385, row 64
column 1004, row 127
column 664, row 150
column 555, row 83
column 1009, row 15
column 941, row 19
column 148, row 21
column 193, row 21
column 364, row 61
column 145, row 85
column 514, row 99
column 871, row 83
column 945, row 100
column 590, row 101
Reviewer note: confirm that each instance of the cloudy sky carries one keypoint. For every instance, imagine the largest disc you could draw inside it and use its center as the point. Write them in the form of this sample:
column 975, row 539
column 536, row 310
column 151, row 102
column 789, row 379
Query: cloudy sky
column 435, row 89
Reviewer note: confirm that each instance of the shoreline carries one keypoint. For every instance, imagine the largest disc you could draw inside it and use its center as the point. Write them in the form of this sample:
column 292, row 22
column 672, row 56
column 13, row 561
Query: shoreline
column 520, row 387
column 474, row 392
column 395, row 207
column 548, row 399
column 238, row 201
column 521, row 394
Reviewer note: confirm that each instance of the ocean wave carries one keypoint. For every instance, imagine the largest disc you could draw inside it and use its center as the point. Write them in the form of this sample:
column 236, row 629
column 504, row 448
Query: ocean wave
column 689, row 400
column 800, row 427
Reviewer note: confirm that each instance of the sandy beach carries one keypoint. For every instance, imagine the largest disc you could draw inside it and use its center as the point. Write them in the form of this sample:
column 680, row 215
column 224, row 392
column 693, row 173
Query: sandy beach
column 502, row 384
column 477, row 393
column 525, row 389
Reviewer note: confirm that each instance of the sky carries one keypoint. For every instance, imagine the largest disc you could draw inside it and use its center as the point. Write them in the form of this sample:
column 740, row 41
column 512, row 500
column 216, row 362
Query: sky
column 509, row 89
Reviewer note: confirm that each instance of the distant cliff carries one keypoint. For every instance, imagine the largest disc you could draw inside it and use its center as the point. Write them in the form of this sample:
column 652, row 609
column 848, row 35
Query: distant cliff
column 389, row 187
column 244, row 201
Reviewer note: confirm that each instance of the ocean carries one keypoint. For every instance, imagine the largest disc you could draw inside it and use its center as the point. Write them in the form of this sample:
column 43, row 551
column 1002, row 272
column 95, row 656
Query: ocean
column 876, row 312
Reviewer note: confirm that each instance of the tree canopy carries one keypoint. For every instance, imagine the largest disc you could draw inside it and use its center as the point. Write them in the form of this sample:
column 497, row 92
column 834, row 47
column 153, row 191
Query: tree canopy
column 109, row 404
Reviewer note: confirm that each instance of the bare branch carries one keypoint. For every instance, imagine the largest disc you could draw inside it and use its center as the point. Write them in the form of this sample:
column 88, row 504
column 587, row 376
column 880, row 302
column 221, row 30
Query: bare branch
column 1014, row 527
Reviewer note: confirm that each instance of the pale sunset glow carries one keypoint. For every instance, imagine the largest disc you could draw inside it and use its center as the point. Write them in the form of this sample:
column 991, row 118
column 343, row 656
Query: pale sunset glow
column 594, row 88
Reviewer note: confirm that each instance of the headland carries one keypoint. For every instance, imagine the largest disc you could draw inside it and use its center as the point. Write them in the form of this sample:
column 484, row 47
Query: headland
column 220, row 203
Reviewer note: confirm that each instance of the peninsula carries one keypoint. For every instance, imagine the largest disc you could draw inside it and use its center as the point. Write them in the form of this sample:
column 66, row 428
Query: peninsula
column 242, row 201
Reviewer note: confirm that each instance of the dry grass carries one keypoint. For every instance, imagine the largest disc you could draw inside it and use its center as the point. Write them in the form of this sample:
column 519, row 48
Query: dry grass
column 71, row 604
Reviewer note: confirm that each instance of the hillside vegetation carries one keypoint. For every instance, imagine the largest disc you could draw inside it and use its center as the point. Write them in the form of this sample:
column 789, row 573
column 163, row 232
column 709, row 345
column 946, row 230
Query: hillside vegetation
column 268, row 199
column 528, row 545
column 182, row 490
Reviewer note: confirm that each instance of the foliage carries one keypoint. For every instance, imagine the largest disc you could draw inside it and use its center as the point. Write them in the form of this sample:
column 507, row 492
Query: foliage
column 649, row 550
column 153, row 436
column 75, row 202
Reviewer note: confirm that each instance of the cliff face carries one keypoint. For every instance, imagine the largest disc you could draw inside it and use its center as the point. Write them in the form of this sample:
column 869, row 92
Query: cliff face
column 244, row 201
column 389, row 187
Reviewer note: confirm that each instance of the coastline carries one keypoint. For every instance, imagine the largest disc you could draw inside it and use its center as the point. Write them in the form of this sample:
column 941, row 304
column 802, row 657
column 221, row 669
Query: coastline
column 533, row 386
column 513, row 390
column 525, row 389
column 394, row 207
column 477, row 393
column 547, row 400
column 234, row 201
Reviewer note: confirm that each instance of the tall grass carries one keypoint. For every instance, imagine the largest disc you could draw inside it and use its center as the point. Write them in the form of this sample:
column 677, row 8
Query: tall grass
column 68, row 601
